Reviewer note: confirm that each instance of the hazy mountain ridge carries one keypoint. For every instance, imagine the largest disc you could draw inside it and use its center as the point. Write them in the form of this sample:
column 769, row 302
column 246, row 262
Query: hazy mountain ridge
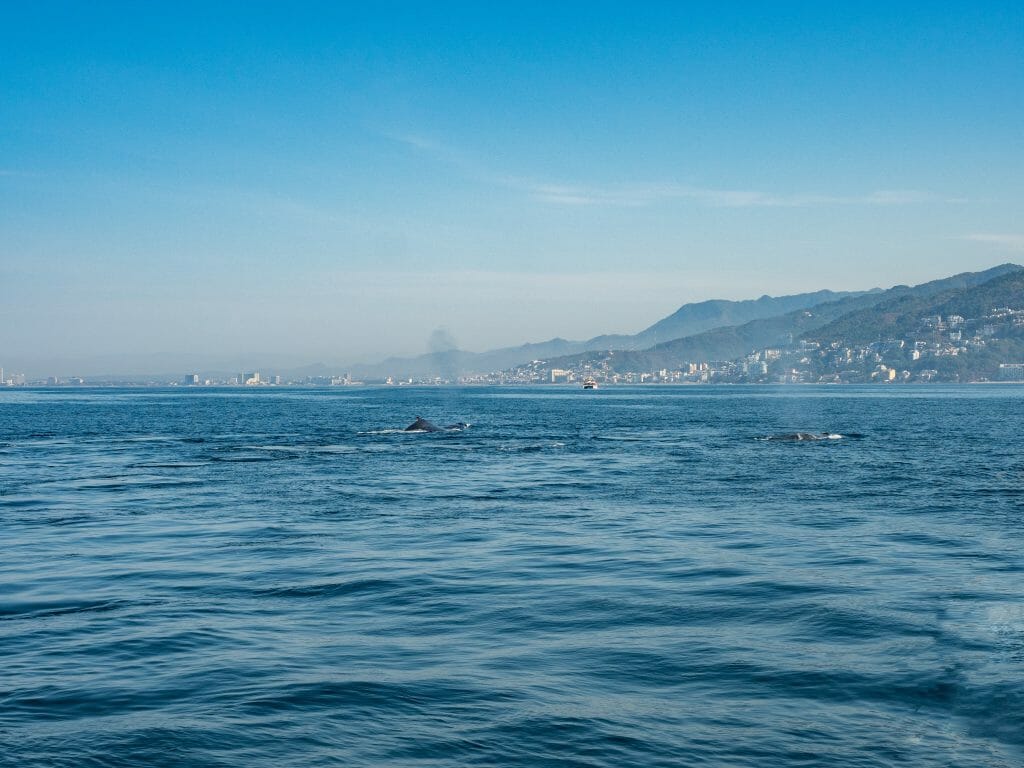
column 731, row 342
column 689, row 319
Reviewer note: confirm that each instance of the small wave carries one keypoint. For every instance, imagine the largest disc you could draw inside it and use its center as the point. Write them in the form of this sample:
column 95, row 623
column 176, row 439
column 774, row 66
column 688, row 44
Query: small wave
column 243, row 459
column 19, row 503
column 46, row 610
column 332, row 589
column 69, row 520
column 130, row 482
column 414, row 697
column 530, row 447
column 168, row 465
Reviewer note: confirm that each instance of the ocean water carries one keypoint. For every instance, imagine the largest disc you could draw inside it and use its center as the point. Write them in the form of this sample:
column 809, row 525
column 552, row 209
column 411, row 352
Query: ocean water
column 625, row 577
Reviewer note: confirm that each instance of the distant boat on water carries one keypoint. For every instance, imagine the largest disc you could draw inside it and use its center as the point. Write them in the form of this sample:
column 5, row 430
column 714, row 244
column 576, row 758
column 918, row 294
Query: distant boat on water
column 589, row 383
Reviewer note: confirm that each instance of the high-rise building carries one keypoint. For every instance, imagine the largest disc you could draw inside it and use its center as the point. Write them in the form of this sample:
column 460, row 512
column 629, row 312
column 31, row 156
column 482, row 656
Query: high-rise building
column 249, row 378
column 191, row 380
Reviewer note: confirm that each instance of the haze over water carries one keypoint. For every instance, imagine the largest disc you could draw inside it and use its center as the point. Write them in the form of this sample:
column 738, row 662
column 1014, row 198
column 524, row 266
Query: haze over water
column 610, row 578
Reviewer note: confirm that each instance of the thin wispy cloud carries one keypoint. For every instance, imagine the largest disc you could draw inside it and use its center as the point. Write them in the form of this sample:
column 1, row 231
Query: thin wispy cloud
column 438, row 151
column 1012, row 242
column 640, row 194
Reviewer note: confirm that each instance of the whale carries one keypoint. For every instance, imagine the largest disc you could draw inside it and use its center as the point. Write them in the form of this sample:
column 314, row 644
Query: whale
column 795, row 436
column 424, row 425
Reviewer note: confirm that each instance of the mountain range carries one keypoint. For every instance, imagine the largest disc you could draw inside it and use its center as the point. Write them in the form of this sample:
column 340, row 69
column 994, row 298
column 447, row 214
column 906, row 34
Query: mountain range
column 708, row 330
column 689, row 319
column 730, row 342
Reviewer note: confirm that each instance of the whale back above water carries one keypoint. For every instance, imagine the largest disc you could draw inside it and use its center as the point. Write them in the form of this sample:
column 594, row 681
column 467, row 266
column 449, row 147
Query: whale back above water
column 422, row 425
column 800, row 436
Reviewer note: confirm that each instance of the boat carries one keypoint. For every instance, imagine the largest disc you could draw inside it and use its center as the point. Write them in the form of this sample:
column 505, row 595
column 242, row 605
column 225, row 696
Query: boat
column 589, row 383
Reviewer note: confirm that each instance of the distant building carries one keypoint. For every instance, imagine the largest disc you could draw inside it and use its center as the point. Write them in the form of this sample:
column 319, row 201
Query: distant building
column 1011, row 372
column 191, row 380
column 249, row 378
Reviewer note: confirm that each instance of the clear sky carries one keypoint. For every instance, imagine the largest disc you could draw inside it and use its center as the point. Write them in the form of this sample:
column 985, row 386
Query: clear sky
column 268, row 184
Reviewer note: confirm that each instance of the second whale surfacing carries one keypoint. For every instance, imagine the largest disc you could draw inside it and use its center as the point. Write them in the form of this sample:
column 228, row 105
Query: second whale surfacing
column 800, row 436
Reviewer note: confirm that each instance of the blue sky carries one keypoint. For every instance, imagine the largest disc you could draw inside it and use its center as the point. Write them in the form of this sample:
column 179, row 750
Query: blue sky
column 262, row 184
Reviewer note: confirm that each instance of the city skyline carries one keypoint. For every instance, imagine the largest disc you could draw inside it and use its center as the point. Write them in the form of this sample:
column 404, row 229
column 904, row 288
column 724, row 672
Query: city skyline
column 335, row 184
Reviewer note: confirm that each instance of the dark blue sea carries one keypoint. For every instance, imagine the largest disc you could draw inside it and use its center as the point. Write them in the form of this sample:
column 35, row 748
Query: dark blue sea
column 624, row 577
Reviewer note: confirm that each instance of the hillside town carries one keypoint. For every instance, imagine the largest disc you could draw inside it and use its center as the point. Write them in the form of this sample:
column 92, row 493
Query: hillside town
column 947, row 348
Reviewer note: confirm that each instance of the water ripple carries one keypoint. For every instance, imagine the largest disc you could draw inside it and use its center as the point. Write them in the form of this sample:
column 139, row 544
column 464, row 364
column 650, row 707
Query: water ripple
column 287, row 578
